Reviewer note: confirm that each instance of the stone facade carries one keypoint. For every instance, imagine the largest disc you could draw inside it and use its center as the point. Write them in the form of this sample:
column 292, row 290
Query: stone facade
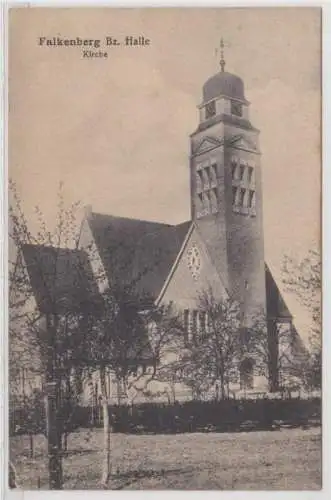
column 231, row 149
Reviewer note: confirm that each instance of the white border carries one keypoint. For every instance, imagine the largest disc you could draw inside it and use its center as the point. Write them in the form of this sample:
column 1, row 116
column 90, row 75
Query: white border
column 325, row 493
column 3, row 255
column 326, row 241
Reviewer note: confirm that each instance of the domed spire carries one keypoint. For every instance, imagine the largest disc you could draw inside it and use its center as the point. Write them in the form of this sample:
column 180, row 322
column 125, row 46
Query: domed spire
column 223, row 83
column 222, row 61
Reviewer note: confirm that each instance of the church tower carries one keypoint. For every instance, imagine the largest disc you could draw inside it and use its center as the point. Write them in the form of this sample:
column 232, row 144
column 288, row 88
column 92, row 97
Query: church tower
column 226, row 192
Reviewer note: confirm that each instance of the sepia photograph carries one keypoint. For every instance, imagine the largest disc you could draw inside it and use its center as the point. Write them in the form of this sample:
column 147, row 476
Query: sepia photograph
column 164, row 248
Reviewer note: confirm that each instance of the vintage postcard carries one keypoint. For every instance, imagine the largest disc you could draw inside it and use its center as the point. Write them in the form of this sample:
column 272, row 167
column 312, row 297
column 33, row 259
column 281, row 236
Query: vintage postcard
column 164, row 248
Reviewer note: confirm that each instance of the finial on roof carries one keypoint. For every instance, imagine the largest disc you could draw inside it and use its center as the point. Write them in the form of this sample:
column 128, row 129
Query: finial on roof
column 222, row 61
column 88, row 211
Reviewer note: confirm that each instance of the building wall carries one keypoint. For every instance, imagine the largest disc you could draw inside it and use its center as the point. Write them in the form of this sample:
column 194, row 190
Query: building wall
column 212, row 228
column 234, row 237
column 183, row 289
column 245, row 237
column 203, row 149
column 235, row 240
column 24, row 361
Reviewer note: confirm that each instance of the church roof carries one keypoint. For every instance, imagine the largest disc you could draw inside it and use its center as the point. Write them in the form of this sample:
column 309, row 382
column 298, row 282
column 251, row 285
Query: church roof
column 276, row 307
column 137, row 253
column 60, row 278
column 134, row 252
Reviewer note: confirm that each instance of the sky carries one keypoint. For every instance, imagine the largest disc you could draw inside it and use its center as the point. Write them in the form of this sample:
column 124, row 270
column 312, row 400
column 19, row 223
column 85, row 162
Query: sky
column 116, row 130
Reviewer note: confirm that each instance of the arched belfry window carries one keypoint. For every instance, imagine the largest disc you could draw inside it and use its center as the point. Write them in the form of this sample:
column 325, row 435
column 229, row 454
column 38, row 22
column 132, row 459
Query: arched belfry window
column 210, row 109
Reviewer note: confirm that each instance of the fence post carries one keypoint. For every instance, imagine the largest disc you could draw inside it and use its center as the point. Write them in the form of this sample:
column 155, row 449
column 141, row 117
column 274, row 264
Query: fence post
column 53, row 438
column 12, row 476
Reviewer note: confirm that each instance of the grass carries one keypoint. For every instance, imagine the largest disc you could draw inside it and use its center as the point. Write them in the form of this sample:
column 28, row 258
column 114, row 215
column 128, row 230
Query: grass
column 287, row 459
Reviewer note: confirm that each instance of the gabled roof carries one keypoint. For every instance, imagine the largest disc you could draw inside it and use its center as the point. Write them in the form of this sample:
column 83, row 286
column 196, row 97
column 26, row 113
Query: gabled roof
column 137, row 253
column 62, row 281
column 60, row 278
column 276, row 307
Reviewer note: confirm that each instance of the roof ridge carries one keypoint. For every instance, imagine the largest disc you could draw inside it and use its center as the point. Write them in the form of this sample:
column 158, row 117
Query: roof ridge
column 53, row 247
column 157, row 231
column 165, row 224
column 189, row 221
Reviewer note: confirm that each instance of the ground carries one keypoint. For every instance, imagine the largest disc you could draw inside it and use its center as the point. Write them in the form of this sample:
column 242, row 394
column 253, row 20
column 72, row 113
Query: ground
column 286, row 459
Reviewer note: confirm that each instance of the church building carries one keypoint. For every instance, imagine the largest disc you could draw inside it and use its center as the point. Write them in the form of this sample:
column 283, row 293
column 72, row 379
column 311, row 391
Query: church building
column 221, row 247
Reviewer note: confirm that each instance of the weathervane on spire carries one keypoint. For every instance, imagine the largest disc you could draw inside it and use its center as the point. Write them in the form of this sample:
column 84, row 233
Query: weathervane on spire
column 222, row 61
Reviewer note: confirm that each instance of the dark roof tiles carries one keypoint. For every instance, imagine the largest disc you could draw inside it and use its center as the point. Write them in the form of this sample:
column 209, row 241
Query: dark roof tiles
column 136, row 252
column 60, row 278
column 276, row 307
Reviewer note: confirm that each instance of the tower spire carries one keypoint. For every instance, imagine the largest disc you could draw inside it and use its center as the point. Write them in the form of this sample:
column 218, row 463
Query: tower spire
column 222, row 61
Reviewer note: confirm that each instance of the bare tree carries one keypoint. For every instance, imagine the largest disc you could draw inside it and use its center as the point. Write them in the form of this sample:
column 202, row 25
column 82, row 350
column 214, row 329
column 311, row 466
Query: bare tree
column 111, row 328
column 46, row 300
column 303, row 278
column 122, row 339
column 192, row 371
column 271, row 351
column 213, row 349
column 166, row 337
column 76, row 320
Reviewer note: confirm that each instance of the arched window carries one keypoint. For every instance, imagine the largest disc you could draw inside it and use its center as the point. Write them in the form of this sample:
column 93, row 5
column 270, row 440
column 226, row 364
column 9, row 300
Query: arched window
column 247, row 374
